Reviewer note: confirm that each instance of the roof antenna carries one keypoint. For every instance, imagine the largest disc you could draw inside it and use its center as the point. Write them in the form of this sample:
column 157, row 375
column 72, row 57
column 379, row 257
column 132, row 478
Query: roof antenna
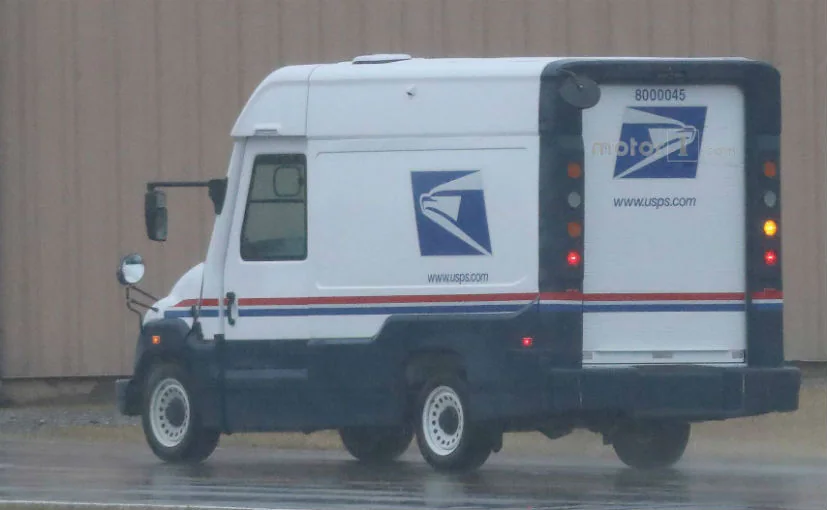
column 579, row 91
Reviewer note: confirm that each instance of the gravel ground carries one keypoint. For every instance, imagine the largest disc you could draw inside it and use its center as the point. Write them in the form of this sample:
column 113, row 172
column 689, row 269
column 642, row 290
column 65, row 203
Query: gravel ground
column 30, row 419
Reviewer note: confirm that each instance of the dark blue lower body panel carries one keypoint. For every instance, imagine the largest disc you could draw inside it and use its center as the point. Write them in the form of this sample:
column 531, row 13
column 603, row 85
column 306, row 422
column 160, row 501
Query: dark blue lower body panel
column 326, row 384
column 689, row 393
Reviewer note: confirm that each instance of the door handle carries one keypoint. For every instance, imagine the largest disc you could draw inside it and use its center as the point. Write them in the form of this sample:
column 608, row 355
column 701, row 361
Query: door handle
column 230, row 302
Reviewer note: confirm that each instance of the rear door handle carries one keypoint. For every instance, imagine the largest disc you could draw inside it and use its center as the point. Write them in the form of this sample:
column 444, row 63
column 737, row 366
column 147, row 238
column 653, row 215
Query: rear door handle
column 230, row 303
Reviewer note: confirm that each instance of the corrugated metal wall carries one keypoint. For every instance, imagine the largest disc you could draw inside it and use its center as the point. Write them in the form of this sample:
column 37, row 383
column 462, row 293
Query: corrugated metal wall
column 99, row 96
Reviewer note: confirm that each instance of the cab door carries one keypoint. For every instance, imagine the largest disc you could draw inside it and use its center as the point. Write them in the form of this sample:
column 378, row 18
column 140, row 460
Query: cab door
column 265, row 276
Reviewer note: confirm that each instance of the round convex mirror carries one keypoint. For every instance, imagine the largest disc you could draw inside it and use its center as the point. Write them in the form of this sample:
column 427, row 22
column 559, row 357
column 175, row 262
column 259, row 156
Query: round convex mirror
column 131, row 269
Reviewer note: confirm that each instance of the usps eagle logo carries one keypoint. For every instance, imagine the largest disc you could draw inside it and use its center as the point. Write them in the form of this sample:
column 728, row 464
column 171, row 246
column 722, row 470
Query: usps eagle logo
column 450, row 213
column 660, row 142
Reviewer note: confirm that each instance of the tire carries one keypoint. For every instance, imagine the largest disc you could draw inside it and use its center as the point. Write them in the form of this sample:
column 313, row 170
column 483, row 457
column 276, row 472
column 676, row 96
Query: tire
column 376, row 445
column 651, row 445
column 446, row 436
column 171, row 422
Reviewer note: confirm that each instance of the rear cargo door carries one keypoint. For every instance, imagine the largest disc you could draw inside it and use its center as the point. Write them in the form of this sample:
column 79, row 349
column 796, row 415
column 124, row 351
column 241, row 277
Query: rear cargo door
column 664, row 248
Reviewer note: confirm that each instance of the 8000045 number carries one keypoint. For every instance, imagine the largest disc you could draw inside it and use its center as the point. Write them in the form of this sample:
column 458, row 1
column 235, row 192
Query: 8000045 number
column 660, row 94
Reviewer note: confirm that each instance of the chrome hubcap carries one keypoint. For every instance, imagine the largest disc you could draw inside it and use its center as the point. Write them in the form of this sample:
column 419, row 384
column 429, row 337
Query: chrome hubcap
column 169, row 412
column 442, row 421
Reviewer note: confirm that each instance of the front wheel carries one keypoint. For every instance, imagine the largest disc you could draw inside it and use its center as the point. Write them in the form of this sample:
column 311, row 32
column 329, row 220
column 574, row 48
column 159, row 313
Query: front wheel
column 171, row 421
column 447, row 438
column 651, row 445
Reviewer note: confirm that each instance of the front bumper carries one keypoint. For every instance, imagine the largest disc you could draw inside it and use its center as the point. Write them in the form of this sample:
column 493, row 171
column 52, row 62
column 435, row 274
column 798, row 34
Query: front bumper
column 694, row 393
column 127, row 397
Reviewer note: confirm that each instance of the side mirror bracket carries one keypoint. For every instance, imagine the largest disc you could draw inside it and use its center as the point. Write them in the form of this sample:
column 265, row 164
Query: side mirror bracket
column 218, row 193
column 130, row 272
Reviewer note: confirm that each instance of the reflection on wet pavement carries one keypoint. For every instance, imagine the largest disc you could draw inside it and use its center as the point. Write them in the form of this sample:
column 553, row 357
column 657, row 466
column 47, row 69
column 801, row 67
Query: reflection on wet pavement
column 247, row 478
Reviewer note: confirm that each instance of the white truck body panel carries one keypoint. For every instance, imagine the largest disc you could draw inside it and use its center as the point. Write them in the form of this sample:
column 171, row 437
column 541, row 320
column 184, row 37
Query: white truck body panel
column 390, row 177
column 665, row 228
column 424, row 99
column 278, row 106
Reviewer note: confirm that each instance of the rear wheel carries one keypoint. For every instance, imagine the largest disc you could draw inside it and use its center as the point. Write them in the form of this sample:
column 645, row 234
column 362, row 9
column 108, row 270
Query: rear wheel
column 374, row 445
column 447, row 437
column 171, row 421
column 651, row 445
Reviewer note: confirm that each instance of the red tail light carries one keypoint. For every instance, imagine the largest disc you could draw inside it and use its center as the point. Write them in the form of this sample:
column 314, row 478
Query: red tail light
column 573, row 258
column 528, row 341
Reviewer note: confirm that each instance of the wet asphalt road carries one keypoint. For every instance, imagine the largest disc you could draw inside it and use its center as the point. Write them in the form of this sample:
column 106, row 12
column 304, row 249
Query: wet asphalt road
column 234, row 477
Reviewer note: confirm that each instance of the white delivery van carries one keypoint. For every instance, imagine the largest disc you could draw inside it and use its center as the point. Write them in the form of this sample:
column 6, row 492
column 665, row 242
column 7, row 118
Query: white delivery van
column 453, row 249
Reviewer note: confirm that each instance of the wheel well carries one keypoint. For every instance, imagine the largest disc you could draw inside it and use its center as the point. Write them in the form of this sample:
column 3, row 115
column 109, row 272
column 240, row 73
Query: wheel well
column 151, row 359
column 424, row 364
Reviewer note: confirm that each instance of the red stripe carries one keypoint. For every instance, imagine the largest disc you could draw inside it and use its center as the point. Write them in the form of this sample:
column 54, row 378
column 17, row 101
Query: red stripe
column 353, row 300
column 190, row 302
column 667, row 296
column 646, row 296
column 561, row 296
column 769, row 294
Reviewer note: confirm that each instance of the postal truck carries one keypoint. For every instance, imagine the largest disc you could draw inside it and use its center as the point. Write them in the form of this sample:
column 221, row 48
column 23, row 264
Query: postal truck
column 446, row 250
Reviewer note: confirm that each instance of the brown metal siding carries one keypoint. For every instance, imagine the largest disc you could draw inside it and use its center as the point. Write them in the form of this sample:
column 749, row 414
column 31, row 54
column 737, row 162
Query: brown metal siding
column 98, row 96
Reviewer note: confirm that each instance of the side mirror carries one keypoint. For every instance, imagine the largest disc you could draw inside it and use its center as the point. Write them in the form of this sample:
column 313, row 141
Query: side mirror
column 155, row 214
column 131, row 269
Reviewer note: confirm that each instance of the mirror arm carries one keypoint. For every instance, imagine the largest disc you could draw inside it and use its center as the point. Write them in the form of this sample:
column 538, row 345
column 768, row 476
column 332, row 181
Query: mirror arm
column 144, row 305
column 140, row 291
column 150, row 186
column 217, row 189
column 131, row 302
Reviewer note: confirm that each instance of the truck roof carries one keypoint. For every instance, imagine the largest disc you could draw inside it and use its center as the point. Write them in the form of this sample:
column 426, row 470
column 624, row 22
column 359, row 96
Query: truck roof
column 389, row 95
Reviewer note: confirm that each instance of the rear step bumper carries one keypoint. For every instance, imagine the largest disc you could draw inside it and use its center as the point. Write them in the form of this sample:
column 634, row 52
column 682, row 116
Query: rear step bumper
column 694, row 393
column 691, row 392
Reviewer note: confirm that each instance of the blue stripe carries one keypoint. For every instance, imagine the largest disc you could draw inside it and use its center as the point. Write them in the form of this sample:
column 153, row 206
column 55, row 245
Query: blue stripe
column 379, row 310
column 647, row 307
column 665, row 307
column 561, row 307
column 185, row 314
column 376, row 310
column 768, row 306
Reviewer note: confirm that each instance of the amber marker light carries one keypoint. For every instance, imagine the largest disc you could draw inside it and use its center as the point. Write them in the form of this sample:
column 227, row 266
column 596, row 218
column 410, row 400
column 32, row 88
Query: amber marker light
column 574, row 170
column 770, row 228
column 770, row 170
column 575, row 230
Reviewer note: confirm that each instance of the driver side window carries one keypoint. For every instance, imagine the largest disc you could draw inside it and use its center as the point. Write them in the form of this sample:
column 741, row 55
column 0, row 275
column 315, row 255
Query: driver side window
column 275, row 217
